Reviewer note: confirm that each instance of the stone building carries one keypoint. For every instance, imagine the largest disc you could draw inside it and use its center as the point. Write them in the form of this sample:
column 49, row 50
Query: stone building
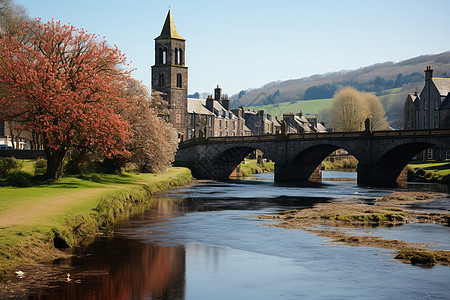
column 429, row 110
column 297, row 123
column 411, row 106
column 212, row 117
column 444, row 113
column 260, row 123
column 11, row 138
column 170, row 74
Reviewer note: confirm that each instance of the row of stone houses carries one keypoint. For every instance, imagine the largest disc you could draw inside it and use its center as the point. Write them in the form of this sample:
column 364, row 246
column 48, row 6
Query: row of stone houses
column 211, row 117
column 429, row 110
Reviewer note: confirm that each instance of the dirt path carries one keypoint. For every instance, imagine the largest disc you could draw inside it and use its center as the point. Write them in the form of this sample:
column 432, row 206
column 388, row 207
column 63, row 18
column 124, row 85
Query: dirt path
column 47, row 208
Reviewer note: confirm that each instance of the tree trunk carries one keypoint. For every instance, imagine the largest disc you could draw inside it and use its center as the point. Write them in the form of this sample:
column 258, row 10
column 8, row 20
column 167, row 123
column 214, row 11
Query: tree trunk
column 55, row 163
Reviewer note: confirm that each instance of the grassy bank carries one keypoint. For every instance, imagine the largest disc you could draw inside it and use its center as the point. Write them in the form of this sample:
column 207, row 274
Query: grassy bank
column 437, row 171
column 36, row 222
column 349, row 162
column 251, row 167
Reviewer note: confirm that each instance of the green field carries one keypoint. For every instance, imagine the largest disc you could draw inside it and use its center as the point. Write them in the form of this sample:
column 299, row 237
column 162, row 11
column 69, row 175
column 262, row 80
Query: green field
column 306, row 106
column 392, row 100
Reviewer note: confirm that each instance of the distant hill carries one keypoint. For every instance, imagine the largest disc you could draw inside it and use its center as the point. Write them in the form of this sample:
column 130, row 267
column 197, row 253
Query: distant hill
column 390, row 81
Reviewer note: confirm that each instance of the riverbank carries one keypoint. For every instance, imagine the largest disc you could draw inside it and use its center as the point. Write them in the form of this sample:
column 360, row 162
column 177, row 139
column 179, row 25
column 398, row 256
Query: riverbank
column 251, row 166
column 40, row 223
column 390, row 210
column 436, row 171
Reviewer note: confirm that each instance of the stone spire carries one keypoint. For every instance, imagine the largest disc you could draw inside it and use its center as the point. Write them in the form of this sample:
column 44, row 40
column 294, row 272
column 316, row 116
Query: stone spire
column 169, row 30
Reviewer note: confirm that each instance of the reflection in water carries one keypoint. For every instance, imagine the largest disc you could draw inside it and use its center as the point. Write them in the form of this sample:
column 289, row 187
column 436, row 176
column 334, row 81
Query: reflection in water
column 124, row 268
column 203, row 242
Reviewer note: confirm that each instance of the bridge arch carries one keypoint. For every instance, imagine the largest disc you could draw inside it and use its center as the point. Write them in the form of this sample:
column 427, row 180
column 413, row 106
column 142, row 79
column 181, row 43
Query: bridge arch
column 306, row 160
column 392, row 162
column 224, row 162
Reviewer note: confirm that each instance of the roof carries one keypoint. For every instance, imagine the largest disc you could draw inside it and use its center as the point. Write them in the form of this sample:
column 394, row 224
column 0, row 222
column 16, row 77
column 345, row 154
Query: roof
column 446, row 103
column 198, row 106
column 414, row 96
column 443, row 85
column 169, row 30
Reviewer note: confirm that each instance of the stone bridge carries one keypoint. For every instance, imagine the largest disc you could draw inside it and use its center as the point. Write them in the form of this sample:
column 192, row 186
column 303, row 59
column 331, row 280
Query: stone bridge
column 382, row 155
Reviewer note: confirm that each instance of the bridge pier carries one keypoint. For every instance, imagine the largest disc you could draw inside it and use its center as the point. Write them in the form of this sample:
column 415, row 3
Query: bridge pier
column 380, row 175
column 294, row 173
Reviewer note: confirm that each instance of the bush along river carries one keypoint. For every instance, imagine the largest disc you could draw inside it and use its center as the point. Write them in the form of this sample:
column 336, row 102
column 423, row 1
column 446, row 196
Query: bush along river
column 223, row 240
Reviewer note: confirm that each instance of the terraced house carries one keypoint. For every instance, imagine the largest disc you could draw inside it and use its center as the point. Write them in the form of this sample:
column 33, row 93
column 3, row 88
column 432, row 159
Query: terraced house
column 430, row 110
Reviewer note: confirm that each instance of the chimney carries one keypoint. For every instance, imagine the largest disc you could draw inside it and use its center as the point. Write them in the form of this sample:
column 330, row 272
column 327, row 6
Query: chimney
column 260, row 114
column 428, row 73
column 226, row 103
column 210, row 104
column 218, row 93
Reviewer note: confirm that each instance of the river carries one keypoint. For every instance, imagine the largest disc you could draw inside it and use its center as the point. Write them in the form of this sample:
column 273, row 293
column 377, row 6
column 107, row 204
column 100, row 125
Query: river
column 204, row 242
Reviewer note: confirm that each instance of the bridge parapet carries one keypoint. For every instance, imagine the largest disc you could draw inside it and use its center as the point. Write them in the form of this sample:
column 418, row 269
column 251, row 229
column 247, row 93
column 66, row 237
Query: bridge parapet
column 381, row 154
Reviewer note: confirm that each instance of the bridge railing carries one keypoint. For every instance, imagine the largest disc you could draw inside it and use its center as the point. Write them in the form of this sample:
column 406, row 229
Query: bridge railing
column 322, row 135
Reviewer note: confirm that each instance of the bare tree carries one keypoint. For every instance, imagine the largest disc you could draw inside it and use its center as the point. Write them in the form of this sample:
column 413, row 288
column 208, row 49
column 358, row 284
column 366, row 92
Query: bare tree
column 348, row 110
column 12, row 16
column 377, row 115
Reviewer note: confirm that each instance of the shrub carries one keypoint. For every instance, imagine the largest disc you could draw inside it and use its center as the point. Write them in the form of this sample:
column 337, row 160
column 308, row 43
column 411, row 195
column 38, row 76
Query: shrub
column 7, row 164
column 40, row 166
column 19, row 178
column 41, row 163
column 418, row 257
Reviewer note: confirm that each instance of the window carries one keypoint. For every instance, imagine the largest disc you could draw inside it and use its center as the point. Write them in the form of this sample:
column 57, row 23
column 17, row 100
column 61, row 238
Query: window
column 161, row 79
column 226, row 124
column 179, row 81
column 164, row 56
column 234, row 125
column 436, row 122
column 220, row 124
column 425, row 122
column 210, row 133
column 178, row 118
column 160, row 56
column 180, row 54
column 430, row 154
column 425, row 104
column 436, row 104
column 190, row 119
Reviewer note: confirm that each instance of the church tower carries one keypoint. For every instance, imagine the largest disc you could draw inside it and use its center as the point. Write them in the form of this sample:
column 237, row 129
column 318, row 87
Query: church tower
column 170, row 75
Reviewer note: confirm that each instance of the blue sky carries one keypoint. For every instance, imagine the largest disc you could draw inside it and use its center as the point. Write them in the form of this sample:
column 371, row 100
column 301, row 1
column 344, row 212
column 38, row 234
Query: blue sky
column 246, row 44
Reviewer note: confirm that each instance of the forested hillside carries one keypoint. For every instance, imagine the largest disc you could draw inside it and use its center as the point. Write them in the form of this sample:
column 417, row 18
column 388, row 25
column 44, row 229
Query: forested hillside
column 389, row 81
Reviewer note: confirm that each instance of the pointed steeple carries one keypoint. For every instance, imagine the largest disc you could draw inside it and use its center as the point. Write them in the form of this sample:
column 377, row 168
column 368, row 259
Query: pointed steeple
column 169, row 30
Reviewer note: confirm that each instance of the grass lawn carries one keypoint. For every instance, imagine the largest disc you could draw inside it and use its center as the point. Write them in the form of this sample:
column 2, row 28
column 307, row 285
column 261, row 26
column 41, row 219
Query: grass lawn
column 29, row 216
column 437, row 171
